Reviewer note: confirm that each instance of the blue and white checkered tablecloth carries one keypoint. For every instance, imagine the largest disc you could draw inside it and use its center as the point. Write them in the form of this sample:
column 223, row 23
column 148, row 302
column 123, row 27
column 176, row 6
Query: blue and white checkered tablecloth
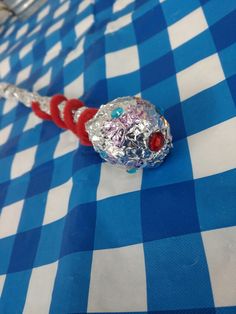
column 78, row 235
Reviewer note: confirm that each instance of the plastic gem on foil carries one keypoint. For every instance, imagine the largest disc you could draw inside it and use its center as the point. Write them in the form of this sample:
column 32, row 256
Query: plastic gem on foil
column 130, row 132
column 156, row 141
column 116, row 113
column 132, row 170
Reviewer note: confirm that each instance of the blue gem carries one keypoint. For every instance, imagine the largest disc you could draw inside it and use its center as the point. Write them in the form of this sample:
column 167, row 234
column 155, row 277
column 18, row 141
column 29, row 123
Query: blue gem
column 132, row 170
column 103, row 154
column 116, row 113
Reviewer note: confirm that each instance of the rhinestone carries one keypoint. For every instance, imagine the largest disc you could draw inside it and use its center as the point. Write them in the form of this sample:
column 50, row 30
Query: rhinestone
column 156, row 141
column 116, row 113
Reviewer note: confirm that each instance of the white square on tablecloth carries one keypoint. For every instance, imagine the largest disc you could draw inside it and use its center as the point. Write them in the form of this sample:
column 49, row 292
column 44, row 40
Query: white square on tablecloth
column 121, row 22
column 220, row 249
column 56, row 26
column 67, row 143
column 4, row 134
column 43, row 13
column 200, row 76
column 75, row 53
column 57, row 202
column 62, row 9
column 2, row 281
column 22, row 31
column 9, row 219
column 32, row 121
column 26, row 49
column 188, row 27
column 52, row 53
column 75, row 89
column 39, row 294
column 121, row 4
column 5, row 67
column 23, row 161
column 84, row 25
column 122, row 61
column 4, row 46
column 213, row 150
column 114, row 181
column 9, row 105
column 9, row 31
column 43, row 81
column 118, row 280
column 23, row 74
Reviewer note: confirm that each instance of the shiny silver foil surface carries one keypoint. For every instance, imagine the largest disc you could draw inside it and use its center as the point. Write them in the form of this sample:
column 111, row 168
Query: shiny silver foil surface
column 121, row 129
column 10, row 91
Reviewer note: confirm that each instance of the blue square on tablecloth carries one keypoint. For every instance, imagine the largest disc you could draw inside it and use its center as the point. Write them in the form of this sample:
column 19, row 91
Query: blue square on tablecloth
column 112, row 44
column 215, row 10
column 3, row 193
column 231, row 83
column 73, row 275
column 157, row 71
column 157, row 94
column 16, row 285
column 130, row 84
column 172, row 10
column 223, row 32
column 69, row 75
column 78, row 234
column 226, row 310
column 90, row 79
column 6, row 164
column 85, row 182
column 16, row 190
column 189, row 53
column 45, row 151
column 10, row 148
column 118, row 221
column 208, row 108
column 6, row 246
column 143, row 30
column 228, row 59
column 49, row 250
column 64, row 173
column 94, row 52
column 216, row 200
column 85, row 157
column 40, row 178
column 169, row 211
column 24, row 250
column 30, row 136
column 174, row 116
column 32, row 212
column 48, row 131
column 177, row 274
column 159, row 44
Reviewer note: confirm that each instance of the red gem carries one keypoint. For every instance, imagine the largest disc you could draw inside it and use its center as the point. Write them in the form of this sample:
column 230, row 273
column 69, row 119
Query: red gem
column 156, row 141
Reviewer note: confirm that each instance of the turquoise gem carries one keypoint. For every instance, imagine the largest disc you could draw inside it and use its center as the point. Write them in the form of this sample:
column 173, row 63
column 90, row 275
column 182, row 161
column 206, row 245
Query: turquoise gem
column 103, row 154
column 116, row 113
column 132, row 170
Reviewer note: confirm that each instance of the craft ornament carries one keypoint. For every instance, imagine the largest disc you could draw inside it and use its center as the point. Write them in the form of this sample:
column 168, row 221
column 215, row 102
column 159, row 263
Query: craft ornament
column 128, row 131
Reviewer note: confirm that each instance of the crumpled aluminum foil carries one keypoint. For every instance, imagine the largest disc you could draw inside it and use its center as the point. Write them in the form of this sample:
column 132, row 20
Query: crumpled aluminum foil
column 121, row 129
column 10, row 91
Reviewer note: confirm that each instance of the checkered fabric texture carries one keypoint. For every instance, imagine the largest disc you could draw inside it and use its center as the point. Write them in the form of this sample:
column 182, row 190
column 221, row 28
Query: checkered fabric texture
column 78, row 235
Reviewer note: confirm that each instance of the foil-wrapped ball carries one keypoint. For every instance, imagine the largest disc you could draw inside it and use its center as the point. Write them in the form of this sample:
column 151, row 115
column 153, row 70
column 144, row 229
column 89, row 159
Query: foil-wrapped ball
column 131, row 132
